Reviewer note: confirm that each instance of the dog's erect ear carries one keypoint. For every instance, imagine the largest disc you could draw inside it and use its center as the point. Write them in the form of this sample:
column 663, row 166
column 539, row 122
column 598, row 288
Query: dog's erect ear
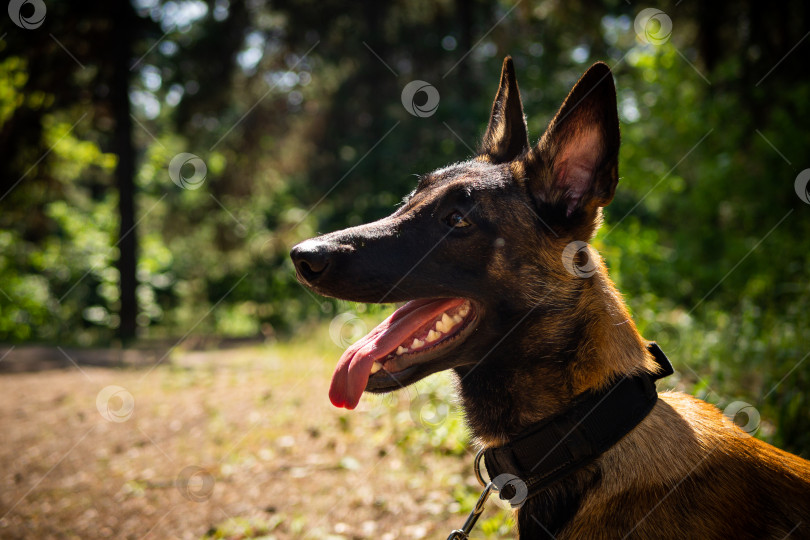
column 576, row 162
column 506, row 137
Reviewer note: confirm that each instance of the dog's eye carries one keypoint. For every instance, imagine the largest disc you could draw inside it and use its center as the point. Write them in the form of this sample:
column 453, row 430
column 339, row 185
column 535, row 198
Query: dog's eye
column 456, row 219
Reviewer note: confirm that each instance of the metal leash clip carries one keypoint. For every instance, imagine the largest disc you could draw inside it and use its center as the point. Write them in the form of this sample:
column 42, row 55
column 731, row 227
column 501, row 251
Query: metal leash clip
column 509, row 487
column 472, row 519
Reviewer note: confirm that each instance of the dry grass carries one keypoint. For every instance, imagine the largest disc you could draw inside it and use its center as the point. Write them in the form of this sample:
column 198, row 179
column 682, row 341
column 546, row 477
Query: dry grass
column 268, row 455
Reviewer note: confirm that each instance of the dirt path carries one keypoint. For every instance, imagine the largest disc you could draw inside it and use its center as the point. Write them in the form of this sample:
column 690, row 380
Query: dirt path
column 229, row 444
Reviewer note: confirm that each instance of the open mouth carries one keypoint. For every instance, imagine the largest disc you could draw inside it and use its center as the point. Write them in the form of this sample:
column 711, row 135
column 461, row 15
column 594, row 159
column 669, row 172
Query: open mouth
column 416, row 333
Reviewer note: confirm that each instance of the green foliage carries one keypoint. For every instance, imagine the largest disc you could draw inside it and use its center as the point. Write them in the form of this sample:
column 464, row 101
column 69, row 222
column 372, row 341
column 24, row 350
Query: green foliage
column 710, row 258
column 39, row 278
column 706, row 237
column 12, row 79
column 243, row 528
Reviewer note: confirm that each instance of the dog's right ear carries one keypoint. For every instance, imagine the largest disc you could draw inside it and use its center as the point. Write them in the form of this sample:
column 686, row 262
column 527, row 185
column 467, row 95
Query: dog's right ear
column 506, row 137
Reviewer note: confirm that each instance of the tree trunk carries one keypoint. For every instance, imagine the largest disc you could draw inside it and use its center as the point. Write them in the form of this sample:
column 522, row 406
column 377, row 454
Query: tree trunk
column 125, row 170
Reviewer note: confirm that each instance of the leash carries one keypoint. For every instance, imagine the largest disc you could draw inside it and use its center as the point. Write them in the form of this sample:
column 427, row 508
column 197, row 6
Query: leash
column 510, row 488
column 554, row 448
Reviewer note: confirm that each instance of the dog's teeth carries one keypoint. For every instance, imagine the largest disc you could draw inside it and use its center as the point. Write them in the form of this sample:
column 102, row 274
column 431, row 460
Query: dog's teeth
column 465, row 308
column 440, row 326
column 433, row 336
column 416, row 344
column 447, row 321
column 401, row 350
column 457, row 319
column 375, row 367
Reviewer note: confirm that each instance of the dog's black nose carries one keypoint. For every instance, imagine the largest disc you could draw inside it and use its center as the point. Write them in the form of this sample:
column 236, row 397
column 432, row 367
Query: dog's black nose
column 310, row 259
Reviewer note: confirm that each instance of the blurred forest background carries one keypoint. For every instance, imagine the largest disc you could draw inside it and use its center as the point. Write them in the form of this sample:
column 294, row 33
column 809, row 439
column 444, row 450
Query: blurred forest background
column 294, row 109
column 160, row 158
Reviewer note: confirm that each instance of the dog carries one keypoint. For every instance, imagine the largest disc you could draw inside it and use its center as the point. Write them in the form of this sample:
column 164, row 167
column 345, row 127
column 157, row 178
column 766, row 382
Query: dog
column 491, row 257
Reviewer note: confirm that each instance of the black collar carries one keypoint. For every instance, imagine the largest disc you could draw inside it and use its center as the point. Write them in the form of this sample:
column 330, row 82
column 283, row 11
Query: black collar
column 556, row 447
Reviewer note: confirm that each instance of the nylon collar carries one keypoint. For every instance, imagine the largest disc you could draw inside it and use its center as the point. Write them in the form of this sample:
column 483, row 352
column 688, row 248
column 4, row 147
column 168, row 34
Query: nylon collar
column 557, row 447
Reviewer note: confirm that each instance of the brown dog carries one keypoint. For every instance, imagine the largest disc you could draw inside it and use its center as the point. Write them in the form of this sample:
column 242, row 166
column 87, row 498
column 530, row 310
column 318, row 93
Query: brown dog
column 491, row 256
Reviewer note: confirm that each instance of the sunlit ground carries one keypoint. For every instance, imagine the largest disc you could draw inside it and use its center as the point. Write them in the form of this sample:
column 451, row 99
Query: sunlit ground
column 243, row 443
column 238, row 443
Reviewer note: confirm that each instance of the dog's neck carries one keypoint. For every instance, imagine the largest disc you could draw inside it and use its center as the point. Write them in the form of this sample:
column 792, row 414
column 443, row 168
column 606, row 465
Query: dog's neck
column 560, row 354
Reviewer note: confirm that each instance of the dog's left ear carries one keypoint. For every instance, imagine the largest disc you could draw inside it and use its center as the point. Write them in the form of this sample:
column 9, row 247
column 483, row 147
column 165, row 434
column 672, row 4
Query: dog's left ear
column 506, row 136
column 576, row 162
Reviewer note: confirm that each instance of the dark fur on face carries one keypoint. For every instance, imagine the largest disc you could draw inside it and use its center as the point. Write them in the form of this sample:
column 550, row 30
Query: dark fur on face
column 544, row 334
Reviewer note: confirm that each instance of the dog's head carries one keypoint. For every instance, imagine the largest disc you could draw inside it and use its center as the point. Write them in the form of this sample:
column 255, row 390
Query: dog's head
column 478, row 246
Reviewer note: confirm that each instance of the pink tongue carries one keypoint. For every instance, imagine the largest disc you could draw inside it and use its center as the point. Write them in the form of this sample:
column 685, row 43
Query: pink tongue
column 354, row 367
